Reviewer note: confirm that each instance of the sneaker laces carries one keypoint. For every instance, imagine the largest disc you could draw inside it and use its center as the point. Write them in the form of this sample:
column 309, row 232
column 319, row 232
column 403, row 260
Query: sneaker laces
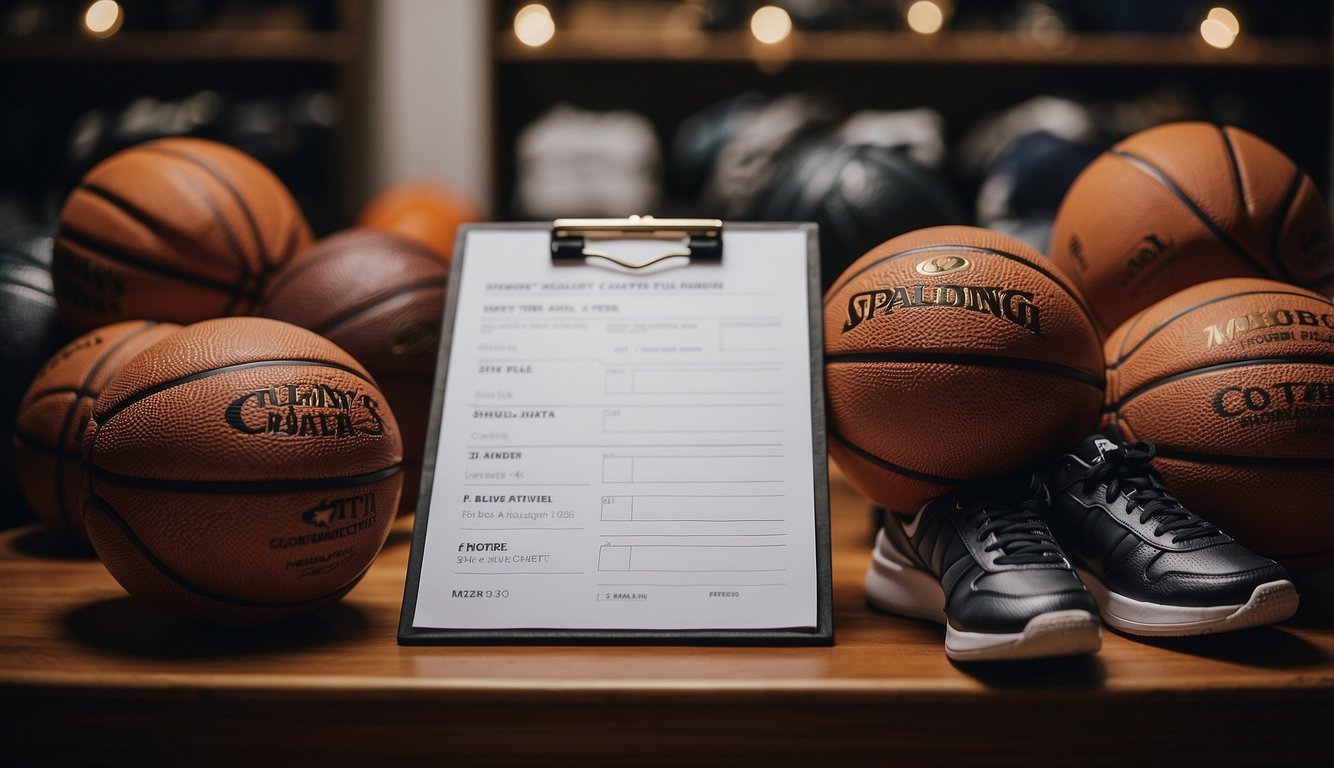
column 1126, row 468
column 1014, row 513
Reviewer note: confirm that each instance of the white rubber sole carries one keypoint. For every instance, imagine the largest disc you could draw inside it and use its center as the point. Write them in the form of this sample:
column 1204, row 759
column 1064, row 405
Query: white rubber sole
column 1269, row 603
column 895, row 585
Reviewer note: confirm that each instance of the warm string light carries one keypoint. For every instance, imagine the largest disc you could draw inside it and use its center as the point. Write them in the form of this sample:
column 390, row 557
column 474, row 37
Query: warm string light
column 534, row 26
column 770, row 24
column 1220, row 28
column 925, row 17
column 103, row 18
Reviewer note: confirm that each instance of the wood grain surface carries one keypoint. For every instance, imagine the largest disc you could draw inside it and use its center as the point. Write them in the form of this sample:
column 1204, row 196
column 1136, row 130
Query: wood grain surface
column 91, row 675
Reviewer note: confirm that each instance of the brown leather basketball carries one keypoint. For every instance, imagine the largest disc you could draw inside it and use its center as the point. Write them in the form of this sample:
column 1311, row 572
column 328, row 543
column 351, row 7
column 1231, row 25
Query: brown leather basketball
column 380, row 297
column 1233, row 380
column 175, row 229
column 241, row 471
column 1185, row 203
column 954, row 354
column 48, row 435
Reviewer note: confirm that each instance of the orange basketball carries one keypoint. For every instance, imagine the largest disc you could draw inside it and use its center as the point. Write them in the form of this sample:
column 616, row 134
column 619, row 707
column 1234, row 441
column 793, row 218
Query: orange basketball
column 1184, row 203
column 48, row 433
column 241, row 471
column 175, row 229
column 424, row 211
column 1233, row 380
column 954, row 354
column 380, row 297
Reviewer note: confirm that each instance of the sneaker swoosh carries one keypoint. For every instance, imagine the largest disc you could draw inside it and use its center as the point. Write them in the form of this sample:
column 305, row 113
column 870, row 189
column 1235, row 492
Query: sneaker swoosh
column 910, row 527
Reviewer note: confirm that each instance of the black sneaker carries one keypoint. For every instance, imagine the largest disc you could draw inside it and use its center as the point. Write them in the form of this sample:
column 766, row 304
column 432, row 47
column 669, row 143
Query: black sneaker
column 1155, row 567
column 981, row 561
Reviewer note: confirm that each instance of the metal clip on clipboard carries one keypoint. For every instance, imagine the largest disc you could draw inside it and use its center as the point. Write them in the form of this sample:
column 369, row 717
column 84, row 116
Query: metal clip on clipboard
column 699, row 240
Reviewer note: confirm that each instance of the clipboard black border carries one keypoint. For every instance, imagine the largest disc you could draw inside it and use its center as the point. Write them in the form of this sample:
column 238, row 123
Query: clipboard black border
column 820, row 635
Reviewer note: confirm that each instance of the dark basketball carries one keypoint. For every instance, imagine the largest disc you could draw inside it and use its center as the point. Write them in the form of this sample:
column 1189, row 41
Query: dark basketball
column 700, row 139
column 380, row 297
column 860, row 195
column 30, row 332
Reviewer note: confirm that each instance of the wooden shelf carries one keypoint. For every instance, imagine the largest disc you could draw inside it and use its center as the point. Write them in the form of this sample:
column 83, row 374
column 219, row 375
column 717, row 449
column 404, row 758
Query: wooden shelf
column 91, row 675
column 981, row 48
column 221, row 46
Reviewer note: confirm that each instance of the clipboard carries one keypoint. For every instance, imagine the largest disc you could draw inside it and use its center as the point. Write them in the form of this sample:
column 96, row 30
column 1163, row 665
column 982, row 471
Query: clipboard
column 690, row 545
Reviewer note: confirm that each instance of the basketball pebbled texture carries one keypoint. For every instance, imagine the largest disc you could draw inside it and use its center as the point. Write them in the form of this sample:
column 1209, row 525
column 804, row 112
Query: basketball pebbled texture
column 177, row 229
column 48, row 435
column 1233, row 380
column 954, row 386
column 1185, row 203
column 241, row 471
column 380, row 297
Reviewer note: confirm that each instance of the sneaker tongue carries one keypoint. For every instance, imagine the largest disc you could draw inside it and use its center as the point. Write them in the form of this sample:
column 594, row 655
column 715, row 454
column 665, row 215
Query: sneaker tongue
column 1093, row 447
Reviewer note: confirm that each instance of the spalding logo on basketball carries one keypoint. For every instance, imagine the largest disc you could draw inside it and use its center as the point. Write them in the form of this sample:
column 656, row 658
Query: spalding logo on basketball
column 942, row 265
column 954, row 354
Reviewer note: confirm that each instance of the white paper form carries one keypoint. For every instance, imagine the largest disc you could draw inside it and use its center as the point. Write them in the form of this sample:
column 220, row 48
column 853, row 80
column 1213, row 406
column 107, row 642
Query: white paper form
column 625, row 451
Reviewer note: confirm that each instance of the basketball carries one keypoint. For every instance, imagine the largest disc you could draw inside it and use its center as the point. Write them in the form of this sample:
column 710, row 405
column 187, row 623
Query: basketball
column 48, row 435
column 424, row 211
column 241, row 471
column 859, row 194
column 1185, row 203
column 954, row 354
column 1231, row 380
column 176, row 229
column 380, row 297
column 33, row 331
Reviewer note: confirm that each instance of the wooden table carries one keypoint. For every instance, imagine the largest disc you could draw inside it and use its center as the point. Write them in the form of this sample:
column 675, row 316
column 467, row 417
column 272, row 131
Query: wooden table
column 90, row 675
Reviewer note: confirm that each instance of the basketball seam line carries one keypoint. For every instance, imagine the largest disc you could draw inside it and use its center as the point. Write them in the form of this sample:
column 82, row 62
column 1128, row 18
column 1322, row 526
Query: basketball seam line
column 912, row 474
column 180, row 581
column 36, row 396
column 1275, row 462
column 371, row 303
column 1134, row 321
column 32, row 444
column 1060, row 282
column 1289, row 197
column 300, row 267
column 1290, row 359
column 89, row 243
column 121, row 204
column 260, row 251
column 319, row 257
column 1232, row 245
column 996, row 361
column 1168, row 321
column 1244, row 209
column 245, row 288
column 69, row 411
column 199, row 375
column 135, row 213
column 241, row 486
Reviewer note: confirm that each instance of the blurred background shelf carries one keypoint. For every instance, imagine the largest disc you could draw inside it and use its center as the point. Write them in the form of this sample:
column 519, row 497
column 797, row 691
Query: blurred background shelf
column 963, row 47
column 284, row 81
column 269, row 45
